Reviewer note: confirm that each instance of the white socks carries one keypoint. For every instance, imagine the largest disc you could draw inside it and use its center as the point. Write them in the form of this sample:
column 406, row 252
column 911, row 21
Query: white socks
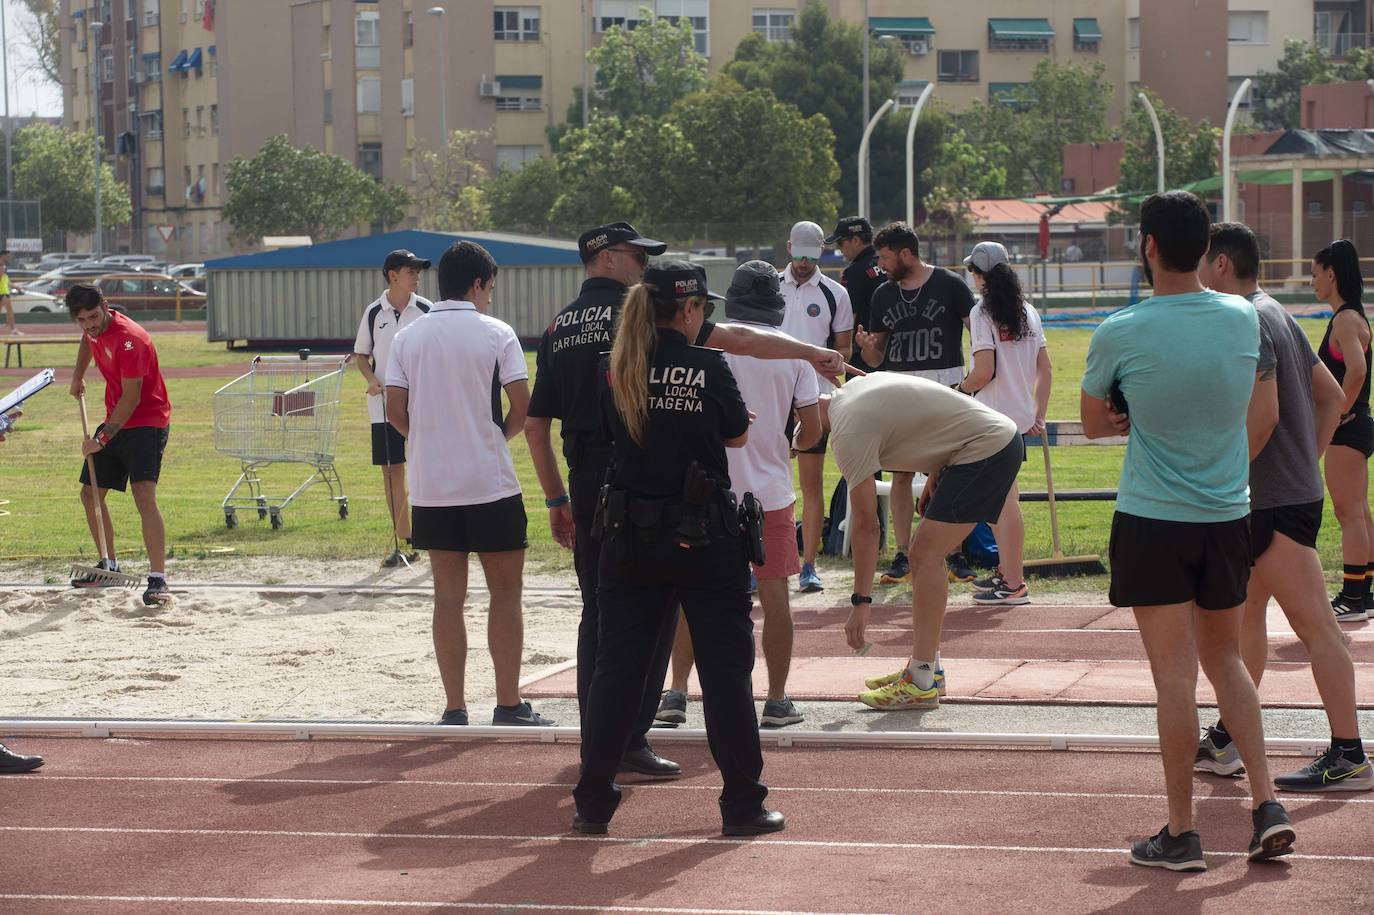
column 922, row 673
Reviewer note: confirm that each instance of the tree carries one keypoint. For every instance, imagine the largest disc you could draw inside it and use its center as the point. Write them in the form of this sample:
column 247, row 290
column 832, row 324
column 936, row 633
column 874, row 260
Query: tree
column 389, row 204
column 1278, row 93
column 1067, row 104
column 966, row 171
column 521, row 199
column 283, row 190
column 450, row 198
column 604, row 174
column 1190, row 152
column 820, row 71
column 56, row 167
column 44, row 33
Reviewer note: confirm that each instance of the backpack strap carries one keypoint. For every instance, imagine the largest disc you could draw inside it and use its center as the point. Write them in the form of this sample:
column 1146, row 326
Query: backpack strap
column 834, row 309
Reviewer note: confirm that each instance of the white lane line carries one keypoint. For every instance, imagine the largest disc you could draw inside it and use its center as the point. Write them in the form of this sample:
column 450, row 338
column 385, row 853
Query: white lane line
column 637, row 841
column 661, row 786
column 407, row 904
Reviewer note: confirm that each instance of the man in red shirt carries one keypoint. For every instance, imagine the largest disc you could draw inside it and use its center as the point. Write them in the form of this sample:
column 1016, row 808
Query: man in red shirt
column 127, row 447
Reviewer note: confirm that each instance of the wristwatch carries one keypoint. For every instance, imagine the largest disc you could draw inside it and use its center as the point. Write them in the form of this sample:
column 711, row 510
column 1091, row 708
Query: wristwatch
column 556, row 502
column 858, row 600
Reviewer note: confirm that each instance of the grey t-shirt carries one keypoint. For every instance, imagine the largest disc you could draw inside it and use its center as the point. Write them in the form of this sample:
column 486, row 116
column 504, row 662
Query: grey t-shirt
column 1285, row 472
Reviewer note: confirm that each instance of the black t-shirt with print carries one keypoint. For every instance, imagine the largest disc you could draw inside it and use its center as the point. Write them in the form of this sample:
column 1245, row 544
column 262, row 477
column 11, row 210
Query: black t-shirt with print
column 925, row 328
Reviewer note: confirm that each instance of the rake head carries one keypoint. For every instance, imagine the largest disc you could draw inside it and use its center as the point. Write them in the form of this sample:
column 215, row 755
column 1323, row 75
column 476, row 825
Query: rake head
column 104, row 578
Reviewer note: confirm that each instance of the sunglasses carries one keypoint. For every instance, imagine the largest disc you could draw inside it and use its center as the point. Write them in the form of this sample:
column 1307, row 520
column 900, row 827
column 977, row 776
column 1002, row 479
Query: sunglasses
column 804, row 260
column 638, row 254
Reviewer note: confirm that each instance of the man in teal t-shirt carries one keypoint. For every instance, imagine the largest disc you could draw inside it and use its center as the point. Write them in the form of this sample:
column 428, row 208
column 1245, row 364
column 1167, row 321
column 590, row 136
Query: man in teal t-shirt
column 1183, row 365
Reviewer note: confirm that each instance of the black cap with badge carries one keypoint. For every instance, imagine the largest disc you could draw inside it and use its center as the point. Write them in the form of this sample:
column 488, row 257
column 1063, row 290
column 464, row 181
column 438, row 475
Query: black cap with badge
column 850, row 227
column 679, row 280
column 402, row 258
column 593, row 241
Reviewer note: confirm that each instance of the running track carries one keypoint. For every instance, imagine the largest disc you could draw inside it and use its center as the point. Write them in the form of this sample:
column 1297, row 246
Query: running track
column 249, row 826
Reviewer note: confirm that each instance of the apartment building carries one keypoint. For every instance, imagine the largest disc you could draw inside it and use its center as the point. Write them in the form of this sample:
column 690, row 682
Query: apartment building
column 184, row 86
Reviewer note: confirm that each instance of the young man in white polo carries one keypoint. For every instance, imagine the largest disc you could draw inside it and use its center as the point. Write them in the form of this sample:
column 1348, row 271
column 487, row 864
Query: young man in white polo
column 817, row 312
column 394, row 309
column 442, row 394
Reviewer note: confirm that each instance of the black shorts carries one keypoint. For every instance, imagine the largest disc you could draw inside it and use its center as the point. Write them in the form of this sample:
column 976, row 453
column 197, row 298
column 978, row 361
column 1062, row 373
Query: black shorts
column 1357, row 434
column 492, row 527
column 388, row 445
column 969, row 493
column 791, row 426
column 1172, row 562
column 133, row 455
column 1299, row 523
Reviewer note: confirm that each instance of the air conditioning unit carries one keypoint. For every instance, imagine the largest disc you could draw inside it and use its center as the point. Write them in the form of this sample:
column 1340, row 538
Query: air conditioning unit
column 488, row 88
column 918, row 47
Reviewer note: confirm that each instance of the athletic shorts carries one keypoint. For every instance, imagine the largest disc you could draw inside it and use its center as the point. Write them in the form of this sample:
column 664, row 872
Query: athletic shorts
column 388, row 445
column 133, row 455
column 969, row 493
column 791, row 426
column 1172, row 562
column 779, row 545
column 1357, row 434
column 1299, row 523
column 492, row 527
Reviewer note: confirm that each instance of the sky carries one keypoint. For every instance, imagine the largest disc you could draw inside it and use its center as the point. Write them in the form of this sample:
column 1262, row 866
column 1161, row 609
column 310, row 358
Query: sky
column 30, row 91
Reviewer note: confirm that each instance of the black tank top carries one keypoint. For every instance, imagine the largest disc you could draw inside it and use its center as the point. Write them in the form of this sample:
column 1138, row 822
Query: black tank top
column 1336, row 363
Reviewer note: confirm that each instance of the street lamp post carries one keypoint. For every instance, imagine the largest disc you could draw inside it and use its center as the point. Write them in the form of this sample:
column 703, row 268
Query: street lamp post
column 98, row 112
column 1159, row 140
column 9, row 130
column 863, row 155
column 866, row 38
column 1227, row 192
column 911, row 154
column 438, row 13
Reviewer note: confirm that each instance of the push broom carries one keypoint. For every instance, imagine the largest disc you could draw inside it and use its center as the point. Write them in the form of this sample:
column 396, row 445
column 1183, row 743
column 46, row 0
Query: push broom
column 98, row 577
column 1059, row 565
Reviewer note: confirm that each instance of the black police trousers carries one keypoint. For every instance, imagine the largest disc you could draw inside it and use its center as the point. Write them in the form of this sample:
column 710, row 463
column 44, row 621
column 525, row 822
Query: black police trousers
column 584, row 486
column 636, row 598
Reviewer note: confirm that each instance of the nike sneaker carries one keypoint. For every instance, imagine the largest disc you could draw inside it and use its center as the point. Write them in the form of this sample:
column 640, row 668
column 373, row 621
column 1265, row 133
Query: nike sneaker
column 1215, row 759
column 1329, row 772
column 521, row 714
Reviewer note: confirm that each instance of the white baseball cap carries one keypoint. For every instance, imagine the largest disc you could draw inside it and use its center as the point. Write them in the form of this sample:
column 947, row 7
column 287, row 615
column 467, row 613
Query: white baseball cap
column 807, row 240
column 986, row 255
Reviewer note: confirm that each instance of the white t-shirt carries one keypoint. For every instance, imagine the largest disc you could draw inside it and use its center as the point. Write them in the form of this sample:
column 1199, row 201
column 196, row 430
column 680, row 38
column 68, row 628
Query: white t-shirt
column 771, row 388
column 453, row 361
column 376, row 331
column 807, row 312
column 1011, row 391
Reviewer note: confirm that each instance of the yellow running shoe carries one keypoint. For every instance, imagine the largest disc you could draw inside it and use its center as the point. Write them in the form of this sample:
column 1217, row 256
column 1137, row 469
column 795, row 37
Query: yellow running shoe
column 903, row 694
column 889, row 679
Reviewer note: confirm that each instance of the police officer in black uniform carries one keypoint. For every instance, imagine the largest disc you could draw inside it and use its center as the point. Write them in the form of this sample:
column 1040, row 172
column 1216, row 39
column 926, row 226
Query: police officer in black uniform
column 671, row 531
column 853, row 236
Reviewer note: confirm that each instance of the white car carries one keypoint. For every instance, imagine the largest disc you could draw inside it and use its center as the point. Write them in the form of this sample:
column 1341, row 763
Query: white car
column 35, row 303
column 186, row 271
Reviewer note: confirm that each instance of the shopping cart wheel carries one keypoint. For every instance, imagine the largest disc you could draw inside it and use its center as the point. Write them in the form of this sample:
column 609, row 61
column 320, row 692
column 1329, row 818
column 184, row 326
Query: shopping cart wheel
column 276, row 521
column 262, row 509
column 343, row 509
column 231, row 519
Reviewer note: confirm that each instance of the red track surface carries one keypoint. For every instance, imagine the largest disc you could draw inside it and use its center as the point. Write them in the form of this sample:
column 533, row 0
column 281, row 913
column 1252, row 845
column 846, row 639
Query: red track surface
column 1031, row 653
column 128, row 826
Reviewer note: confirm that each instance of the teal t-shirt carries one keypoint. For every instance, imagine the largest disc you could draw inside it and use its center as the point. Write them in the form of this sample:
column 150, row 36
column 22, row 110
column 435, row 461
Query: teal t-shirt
column 1186, row 366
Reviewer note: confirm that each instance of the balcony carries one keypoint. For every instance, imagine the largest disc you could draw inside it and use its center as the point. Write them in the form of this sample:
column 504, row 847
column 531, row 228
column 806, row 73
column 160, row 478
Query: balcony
column 1340, row 44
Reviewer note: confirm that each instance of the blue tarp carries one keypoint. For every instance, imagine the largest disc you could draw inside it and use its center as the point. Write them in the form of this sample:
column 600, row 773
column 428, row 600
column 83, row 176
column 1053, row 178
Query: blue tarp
column 371, row 250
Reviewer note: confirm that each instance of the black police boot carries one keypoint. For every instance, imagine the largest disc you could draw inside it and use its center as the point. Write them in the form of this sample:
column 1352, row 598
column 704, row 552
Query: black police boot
column 11, row 761
column 768, row 821
column 646, row 762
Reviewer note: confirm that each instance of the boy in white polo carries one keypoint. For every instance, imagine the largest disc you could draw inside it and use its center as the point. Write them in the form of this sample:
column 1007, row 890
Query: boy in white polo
column 394, row 309
column 818, row 312
column 442, row 395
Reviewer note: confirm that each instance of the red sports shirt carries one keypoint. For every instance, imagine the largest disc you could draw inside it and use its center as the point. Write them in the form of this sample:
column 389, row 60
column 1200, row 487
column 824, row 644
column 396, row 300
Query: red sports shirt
column 125, row 350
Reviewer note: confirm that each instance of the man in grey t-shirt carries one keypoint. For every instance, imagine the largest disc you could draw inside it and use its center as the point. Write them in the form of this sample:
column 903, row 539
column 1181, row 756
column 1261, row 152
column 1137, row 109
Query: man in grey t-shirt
column 1293, row 413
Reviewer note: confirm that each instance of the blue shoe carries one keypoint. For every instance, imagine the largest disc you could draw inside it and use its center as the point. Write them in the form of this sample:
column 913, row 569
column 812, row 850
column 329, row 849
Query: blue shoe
column 810, row 581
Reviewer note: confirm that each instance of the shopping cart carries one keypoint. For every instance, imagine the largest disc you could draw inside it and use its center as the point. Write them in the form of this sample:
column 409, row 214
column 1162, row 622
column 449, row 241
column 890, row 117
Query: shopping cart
column 285, row 409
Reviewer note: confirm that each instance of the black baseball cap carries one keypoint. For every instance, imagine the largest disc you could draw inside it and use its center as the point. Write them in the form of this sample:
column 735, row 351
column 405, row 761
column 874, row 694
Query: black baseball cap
column 402, row 258
column 593, row 241
column 849, row 227
column 679, row 280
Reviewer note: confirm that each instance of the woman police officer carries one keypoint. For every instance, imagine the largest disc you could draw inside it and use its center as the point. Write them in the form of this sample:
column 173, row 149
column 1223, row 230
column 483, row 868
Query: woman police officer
column 670, row 532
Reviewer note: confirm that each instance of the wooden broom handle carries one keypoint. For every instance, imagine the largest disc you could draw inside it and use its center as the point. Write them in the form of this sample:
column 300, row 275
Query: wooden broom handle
column 1049, row 493
column 90, row 469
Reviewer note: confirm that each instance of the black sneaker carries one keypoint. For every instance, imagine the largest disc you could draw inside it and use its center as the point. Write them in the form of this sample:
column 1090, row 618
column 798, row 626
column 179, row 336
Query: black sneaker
column 779, row 713
column 959, row 569
column 92, row 581
column 672, row 709
column 456, row 716
column 1329, row 772
column 897, row 573
column 521, row 715
column 1274, row 834
column 158, row 593
column 1175, row 853
column 1347, row 609
column 991, row 583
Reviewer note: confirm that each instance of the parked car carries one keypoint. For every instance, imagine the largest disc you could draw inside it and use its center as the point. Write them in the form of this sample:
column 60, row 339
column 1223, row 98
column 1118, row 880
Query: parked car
column 35, row 303
column 58, row 258
column 186, row 271
column 148, row 292
column 128, row 261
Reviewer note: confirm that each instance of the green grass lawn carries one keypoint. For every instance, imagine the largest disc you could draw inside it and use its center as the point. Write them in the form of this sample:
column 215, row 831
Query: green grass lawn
column 39, row 464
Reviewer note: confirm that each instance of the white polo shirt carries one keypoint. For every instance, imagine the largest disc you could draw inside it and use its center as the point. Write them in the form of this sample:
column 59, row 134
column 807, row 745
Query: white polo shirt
column 807, row 312
column 379, row 326
column 771, row 388
column 454, row 361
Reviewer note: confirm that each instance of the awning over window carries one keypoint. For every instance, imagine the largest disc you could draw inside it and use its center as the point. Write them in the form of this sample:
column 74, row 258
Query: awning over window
column 998, row 90
column 903, row 27
column 178, row 63
column 1087, row 30
column 194, row 61
column 1020, row 29
column 520, row 82
column 152, row 55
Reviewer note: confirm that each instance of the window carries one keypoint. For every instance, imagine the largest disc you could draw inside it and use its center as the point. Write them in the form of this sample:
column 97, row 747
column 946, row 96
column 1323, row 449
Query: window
column 105, row 11
column 369, row 94
column 183, row 10
column 186, row 173
column 1019, row 34
column 1247, row 27
column 156, row 183
column 408, row 97
column 625, row 13
column 200, row 10
column 214, row 178
column 107, row 68
column 1232, row 84
column 129, row 10
column 774, row 25
column 1016, row 96
column 517, row 23
column 513, row 158
column 369, row 51
column 200, row 120
column 1314, row 208
column 152, row 67
column 520, row 93
column 908, row 91
column 1087, row 35
column 408, row 31
column 133, row 63
column 328, row 106
column 370, row 159
column 152, row 125
column 150, row 11
column 519, row 103
column 1357, row 208
column 1133, row 33
column 186, row 131
column 958, row 66
column 164, row 287
column 214, row 120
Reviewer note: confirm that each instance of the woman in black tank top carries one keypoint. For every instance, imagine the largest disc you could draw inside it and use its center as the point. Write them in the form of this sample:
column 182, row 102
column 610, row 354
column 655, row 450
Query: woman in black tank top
column 1345, row 351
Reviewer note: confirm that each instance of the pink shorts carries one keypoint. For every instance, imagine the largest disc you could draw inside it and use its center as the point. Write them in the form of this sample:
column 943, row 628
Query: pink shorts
column 779, row 545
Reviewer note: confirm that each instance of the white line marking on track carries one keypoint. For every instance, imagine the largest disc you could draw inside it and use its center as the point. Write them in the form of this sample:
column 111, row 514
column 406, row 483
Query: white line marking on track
column 664, row 786
column 637, row 841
